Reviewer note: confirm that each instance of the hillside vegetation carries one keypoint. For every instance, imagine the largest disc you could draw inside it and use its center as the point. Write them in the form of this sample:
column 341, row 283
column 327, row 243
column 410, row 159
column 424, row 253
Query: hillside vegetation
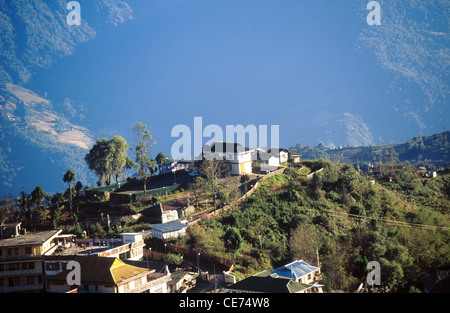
column 344, row 217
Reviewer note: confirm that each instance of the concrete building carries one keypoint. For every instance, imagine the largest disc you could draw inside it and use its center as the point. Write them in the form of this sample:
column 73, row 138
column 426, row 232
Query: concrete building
column 108, row 275
column 238, row 158
column 21, row 260
column 168, row 230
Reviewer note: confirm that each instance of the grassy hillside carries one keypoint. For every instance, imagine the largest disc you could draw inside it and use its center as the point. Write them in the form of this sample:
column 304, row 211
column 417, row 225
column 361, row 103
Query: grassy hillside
column 350, row 220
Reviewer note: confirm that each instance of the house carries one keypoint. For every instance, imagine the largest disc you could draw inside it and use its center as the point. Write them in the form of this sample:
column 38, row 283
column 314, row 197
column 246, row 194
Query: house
column 267, row 282
column 168, row 230
column 21, row 259
column 9, row 230
column 431, row 174
column 173, row 166
column 300, row 271
column 294, row 157
column 238, row 158
column 168, row 211
column 129, row 247
column 132, row 248
column 109, row 275
column 270, row 159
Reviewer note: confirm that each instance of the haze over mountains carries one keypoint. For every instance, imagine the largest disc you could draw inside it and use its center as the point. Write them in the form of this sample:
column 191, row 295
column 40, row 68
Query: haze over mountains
column 316, row 69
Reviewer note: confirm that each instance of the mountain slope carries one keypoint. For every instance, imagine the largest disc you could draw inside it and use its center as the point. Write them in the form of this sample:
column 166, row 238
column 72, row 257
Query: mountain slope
column 40, row 140
column 37, row 142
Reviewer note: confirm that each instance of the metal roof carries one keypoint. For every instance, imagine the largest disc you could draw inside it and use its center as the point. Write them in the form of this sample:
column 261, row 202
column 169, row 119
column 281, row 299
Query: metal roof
column 169, row 226
column 295, row 269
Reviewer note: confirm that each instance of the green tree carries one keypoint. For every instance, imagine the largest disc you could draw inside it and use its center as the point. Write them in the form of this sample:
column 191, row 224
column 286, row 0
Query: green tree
column 117, row 157
column 145, row 142
column 233, row 239
column 173, row 258
column 37, row 195
column 78, row 187
column 107, row 158
column 211, row 170
column 152, row 166
column 97, row 160
column 244, row 179
column 161, row 159
column 69, row 178
column 129, row 164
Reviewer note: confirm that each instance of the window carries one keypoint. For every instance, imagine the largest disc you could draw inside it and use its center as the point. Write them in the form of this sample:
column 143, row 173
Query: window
column 30, row 280
column 28, row 250
column 158, row 289
column 138, row 283
column 12, row 267
column 52, row 266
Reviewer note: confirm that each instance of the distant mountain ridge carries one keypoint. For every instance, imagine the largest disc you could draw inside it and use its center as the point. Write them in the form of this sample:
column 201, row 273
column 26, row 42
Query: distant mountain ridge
column 37, row 142
column 39, row 139
column 433, row 151
column 36, row 33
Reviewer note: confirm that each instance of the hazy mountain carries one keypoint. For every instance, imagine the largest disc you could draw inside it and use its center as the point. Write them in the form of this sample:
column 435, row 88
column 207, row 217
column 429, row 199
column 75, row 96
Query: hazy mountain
column 431, row 150
column 39, row 139
column 38, row 143
column 35, row 33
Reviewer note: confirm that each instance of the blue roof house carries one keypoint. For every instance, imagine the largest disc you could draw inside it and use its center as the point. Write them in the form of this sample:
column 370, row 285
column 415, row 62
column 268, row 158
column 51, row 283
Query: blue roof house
column 299, row 271
column 168, row 230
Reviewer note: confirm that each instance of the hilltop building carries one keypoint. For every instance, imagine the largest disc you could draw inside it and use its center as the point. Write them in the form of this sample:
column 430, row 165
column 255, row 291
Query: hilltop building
column 238, row 158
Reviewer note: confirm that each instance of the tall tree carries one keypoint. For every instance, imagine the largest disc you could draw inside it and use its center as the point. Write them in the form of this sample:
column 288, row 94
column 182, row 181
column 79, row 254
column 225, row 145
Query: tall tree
column 145, row 142
column 152, row 166
column 69, row 178
column 37, row 195
column 117, row 156
column 97, row 159
column 161, row 159
column 107, row 158
column 129, row 164
column 211, row 169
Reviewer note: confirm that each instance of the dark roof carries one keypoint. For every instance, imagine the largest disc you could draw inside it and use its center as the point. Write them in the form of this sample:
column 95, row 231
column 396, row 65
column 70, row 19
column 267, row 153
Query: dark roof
column 224, row 147
column 438, row 282
column 269, row 283
column 29, row 239
column 170, row 226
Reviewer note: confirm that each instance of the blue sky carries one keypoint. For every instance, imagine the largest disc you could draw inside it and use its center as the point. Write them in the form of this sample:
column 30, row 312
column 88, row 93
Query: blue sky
column 297, row 64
